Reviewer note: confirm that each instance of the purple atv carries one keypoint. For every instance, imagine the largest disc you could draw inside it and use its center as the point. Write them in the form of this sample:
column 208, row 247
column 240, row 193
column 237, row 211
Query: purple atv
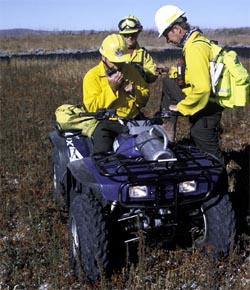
column 145, row 188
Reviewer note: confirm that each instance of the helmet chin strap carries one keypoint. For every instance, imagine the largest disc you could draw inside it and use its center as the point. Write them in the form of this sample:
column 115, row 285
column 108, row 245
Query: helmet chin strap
column 105, row 63
column 109, row 70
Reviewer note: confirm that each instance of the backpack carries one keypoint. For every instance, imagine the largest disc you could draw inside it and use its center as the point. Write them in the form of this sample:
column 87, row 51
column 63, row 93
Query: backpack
column 229, row 78
column 68, row 119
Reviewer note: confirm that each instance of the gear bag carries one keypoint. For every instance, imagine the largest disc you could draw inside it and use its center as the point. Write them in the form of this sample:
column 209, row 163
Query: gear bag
column 68, row 119
column 229, row 78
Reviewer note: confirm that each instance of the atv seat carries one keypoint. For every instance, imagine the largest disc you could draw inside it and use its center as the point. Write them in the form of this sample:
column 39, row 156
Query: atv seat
column 67, row 133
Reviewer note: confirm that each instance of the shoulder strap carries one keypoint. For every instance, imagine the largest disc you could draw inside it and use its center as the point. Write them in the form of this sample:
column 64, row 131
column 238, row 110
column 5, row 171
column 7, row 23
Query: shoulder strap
column 217, row 51
column 145, row 53
column 204, row 41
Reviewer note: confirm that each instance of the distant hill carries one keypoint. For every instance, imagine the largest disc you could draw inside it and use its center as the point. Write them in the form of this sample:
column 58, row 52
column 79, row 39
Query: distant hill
column 24, row 31
column 19, row 31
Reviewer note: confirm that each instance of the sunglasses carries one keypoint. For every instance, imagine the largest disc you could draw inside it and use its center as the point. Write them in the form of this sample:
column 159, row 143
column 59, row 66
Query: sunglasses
column 131, row 35
column 166, row 32
column 127, row 24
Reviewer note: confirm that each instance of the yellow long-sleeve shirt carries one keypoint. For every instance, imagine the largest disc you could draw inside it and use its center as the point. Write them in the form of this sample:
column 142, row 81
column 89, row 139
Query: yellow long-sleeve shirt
column 97, row 92
column 197, row 56
column 143, row 58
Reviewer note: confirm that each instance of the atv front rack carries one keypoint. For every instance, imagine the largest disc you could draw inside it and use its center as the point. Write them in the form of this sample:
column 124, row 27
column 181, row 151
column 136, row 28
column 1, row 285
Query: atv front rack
column 187, row 161
column 162, row 178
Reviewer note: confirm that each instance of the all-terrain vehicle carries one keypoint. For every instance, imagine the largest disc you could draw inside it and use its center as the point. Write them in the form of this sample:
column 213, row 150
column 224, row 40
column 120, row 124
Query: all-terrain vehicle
column 145, row 188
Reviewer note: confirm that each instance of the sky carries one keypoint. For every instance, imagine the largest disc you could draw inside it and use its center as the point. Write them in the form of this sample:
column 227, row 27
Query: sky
column 57, row 15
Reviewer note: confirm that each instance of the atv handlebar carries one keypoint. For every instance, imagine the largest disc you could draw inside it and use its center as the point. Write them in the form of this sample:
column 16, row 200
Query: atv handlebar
column 105, row 114
column 100, row 114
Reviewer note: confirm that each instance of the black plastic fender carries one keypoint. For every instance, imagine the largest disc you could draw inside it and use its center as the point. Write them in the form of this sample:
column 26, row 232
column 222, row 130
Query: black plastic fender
column 80, row 172
column 57, row 141
column 60, row 148
column 60, row 155
column 80, row 179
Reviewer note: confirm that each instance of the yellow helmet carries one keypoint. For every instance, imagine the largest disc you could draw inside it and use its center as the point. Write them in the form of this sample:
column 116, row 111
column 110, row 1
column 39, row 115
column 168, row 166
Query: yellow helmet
column 130, row 24
column 166, row 16
column 114, row 48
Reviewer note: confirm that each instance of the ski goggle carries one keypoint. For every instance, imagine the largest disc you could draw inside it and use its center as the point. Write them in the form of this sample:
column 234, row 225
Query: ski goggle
column 127, row 24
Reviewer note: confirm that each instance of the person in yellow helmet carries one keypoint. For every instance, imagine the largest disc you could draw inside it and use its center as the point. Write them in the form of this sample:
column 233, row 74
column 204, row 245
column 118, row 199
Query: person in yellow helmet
column 130, row 27
column 113, row 84
column 194, row 98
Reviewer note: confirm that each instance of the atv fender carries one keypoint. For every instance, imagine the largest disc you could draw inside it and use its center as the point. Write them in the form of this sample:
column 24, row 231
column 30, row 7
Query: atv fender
column 60, row 156
column 60, row 148
column 80, row 180
column 80, row 172
column 57, row 141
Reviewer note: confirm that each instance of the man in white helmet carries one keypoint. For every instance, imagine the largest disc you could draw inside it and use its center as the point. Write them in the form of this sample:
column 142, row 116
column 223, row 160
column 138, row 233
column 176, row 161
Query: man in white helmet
column 113, row 84
column 194, row 99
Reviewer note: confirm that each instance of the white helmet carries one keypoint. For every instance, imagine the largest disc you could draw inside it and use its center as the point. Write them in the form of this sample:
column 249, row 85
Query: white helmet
column 166, row 16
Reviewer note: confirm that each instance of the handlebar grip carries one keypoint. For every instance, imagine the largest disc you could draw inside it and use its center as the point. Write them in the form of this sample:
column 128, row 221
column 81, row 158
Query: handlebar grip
column 100, row 114
column 169, row 113
column 87, row 114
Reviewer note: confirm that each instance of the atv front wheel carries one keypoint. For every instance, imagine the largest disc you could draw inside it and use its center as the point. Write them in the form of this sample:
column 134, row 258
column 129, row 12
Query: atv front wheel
column 88, row 237
column 218, row 230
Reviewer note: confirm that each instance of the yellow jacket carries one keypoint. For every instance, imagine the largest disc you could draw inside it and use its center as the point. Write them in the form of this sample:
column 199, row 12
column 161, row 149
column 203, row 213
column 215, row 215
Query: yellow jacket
column 197, row 56
column 143, row 59
column 98, row 94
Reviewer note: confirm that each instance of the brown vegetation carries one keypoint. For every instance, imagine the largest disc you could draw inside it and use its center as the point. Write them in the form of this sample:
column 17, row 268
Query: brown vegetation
column 87, row 40
column 34, row 250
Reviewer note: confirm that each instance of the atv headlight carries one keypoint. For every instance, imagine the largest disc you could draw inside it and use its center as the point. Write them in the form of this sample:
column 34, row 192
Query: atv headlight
column 187, row 186
column 138, row 191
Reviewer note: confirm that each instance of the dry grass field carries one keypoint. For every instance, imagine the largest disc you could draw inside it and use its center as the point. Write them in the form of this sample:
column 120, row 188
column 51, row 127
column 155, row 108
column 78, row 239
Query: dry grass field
column 15, row 42
column 34, row 247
